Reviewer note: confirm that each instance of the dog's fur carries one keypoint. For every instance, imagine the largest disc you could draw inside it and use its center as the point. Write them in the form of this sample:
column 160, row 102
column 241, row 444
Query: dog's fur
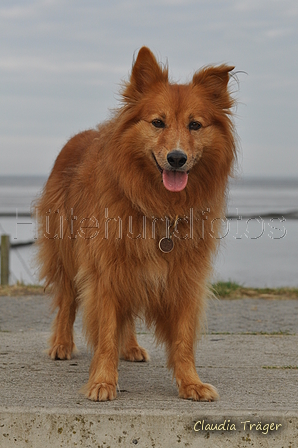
column 107, row 204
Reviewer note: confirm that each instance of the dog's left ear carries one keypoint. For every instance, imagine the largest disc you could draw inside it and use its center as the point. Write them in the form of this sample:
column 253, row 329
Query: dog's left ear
column 145, row 73
column 215, row 83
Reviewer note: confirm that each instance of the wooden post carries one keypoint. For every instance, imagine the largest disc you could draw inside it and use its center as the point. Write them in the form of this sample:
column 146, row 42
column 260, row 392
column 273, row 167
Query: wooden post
column 5, row 246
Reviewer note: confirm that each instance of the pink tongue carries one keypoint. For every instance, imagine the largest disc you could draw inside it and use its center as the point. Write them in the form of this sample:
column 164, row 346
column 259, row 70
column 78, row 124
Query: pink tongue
column 174, row 180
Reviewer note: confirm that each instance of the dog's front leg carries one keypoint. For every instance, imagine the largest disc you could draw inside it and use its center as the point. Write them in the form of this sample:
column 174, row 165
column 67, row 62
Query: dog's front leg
column 103, row 374
column 181, row 343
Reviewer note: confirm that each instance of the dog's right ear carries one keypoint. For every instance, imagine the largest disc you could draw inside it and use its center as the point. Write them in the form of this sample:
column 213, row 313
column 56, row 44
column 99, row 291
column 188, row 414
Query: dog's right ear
column 145, row 73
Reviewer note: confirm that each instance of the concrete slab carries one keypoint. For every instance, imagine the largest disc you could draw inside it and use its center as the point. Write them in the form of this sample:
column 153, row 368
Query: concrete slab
column 249, row 353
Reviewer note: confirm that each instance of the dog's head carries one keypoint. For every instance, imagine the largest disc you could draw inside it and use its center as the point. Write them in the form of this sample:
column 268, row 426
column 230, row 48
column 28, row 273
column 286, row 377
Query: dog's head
column 178, row 133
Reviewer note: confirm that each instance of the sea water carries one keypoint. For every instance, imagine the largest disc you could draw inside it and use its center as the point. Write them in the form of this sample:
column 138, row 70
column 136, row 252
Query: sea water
column 259, row 244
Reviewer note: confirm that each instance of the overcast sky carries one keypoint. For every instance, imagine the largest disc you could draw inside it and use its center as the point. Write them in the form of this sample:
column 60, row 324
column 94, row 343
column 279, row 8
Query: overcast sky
column 61, row 63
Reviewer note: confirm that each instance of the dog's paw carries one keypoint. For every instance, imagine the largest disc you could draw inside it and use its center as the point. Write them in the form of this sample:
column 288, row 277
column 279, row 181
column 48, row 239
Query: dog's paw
column 198, row 392
column 61, row 351
column 101, row 392
column 135, row 354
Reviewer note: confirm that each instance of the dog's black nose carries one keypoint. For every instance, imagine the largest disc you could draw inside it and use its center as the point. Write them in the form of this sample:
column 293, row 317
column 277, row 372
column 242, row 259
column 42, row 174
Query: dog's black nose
column 177, row 158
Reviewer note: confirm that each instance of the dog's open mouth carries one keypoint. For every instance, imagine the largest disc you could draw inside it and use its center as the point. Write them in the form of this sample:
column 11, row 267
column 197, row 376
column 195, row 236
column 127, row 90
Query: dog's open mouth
column 173, row 180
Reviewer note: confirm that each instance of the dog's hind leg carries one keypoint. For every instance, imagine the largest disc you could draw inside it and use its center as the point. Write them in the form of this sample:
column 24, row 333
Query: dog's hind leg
column 130, row 350
column 62, row 341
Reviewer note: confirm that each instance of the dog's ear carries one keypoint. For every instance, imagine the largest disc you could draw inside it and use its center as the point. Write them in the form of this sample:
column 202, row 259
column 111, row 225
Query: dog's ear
column 215, row 83
column 145, row 73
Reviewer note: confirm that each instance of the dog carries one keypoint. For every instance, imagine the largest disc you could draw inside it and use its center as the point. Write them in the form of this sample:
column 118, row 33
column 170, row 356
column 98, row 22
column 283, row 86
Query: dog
column 130, row 219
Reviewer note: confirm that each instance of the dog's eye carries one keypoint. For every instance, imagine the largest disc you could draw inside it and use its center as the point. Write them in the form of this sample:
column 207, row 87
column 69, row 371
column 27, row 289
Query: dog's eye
column 158, row 123
column 194, row 126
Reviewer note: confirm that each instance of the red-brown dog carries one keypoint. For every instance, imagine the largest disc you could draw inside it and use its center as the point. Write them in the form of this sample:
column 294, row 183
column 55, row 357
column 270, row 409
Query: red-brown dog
column 129, row 220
